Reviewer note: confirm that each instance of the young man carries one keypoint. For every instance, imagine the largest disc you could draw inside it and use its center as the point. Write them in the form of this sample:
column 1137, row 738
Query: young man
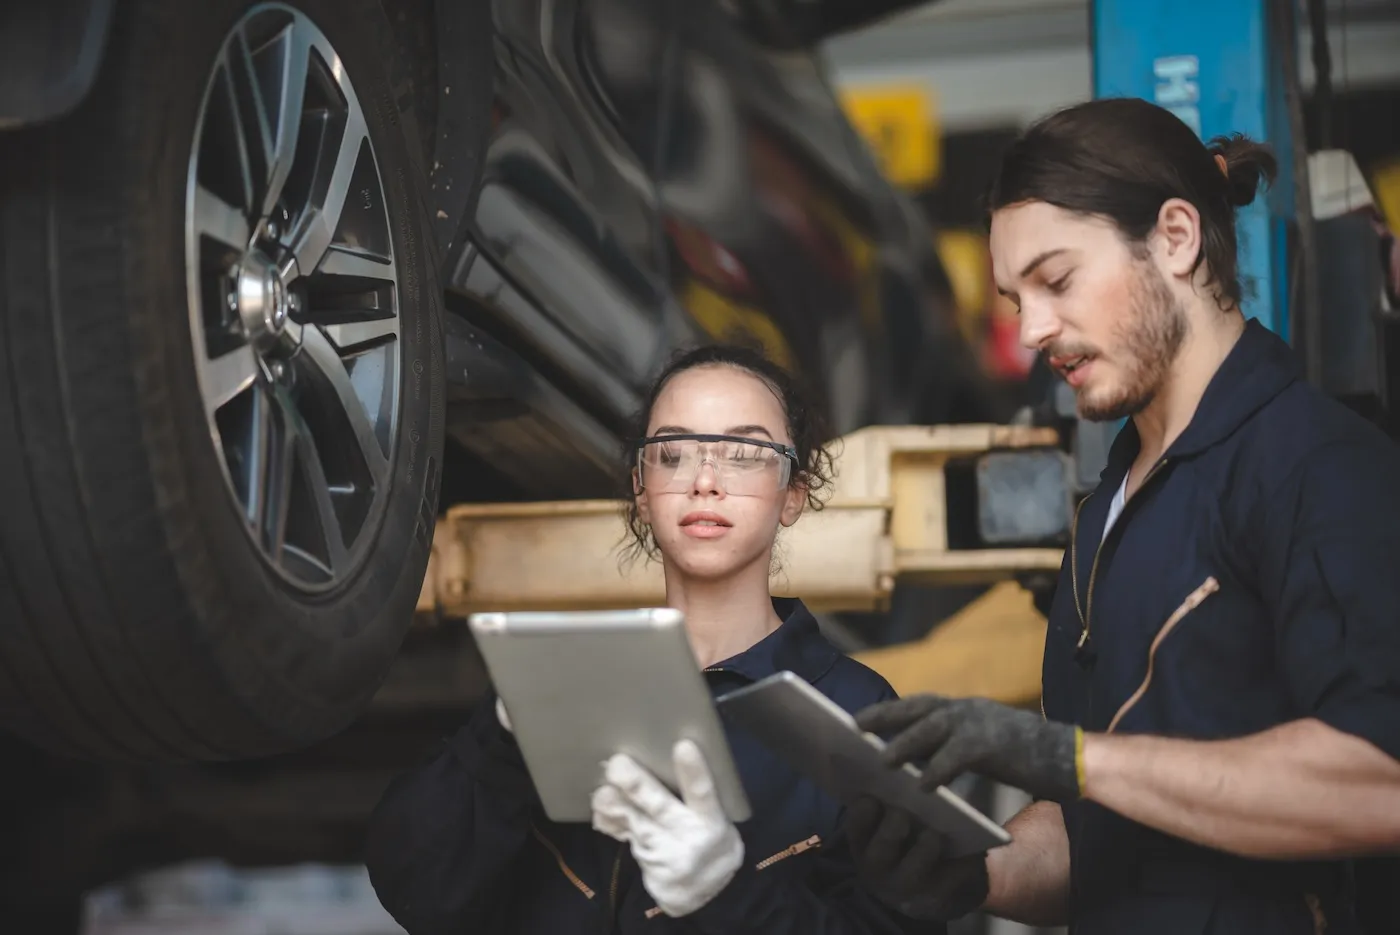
column 1221, row 683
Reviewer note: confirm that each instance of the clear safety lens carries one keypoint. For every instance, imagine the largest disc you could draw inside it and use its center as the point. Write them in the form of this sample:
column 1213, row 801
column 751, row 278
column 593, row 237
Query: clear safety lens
column 743, row 467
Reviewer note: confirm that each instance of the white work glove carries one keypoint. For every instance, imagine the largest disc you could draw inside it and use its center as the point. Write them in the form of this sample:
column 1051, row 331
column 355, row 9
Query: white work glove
column 686, row 848
column 502, row 716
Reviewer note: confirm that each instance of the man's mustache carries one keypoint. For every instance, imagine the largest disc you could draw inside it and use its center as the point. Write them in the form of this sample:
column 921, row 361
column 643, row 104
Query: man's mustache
column 1065, row 350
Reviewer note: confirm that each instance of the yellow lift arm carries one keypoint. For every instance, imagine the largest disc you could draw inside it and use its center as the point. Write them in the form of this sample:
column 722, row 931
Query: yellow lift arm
column 886, row 521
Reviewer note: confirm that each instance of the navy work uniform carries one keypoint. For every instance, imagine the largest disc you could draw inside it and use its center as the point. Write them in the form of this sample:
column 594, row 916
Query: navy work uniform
column 462, row 845
column 1253, row 579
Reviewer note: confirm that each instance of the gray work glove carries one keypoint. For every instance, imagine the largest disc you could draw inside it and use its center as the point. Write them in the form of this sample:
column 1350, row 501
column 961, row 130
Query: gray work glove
column 902, row 864
column 958, row 735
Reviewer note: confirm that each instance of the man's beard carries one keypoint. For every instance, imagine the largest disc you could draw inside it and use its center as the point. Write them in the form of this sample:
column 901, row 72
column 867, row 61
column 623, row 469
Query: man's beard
column 1149, row 338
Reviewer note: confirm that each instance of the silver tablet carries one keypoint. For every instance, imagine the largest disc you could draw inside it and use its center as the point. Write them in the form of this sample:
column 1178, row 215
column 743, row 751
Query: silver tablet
column 580, row 686
column 821, row 740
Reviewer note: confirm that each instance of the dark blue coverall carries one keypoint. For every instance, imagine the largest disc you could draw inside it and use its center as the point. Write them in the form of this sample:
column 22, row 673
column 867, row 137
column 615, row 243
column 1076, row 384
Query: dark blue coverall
column 1253, row 579
column 461, row 846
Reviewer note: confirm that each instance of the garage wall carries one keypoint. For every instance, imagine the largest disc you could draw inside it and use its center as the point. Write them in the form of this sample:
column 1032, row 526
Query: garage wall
column 994, row 63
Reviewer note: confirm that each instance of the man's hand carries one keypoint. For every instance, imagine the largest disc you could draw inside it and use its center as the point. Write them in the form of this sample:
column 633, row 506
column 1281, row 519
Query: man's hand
column 687, row 848
column 903, row 864
column 957, row 735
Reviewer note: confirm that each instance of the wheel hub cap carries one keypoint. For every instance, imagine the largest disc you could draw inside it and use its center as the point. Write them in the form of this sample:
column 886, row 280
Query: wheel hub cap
column 263, row 300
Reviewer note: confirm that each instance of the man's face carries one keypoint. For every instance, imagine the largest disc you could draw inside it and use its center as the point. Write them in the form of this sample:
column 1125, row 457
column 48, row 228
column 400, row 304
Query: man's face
column 1102, row 315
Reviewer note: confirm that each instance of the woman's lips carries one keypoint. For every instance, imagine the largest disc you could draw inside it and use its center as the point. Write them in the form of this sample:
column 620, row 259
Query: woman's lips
column 704, row 524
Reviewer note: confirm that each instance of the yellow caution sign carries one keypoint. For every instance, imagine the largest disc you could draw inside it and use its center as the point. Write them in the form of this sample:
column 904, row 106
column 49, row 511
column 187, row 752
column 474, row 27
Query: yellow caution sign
column 900, row 124
column 726, row 320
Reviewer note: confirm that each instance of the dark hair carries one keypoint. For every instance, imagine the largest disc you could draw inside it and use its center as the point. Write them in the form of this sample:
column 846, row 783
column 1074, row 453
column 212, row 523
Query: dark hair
column 806, row 427
column 1122, row 158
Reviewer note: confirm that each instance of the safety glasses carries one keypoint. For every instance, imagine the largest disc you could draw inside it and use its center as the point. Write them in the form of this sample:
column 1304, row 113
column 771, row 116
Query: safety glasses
column 744, row 467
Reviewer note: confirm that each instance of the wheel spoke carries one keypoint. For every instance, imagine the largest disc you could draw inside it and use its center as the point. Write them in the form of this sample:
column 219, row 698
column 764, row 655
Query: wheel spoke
column 352, row 334
column 255, row 464
column 226, row 376
column 356, row 264
column 294, row 49
column 254, row 123
column 270, row 487
column 310, row 459
column 317, row 347
column 229, row 88
column 216, row 218
column 318, row 226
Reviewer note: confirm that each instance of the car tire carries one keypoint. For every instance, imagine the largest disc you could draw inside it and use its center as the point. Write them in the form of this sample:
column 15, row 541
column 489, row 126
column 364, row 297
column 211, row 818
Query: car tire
column 220, row 439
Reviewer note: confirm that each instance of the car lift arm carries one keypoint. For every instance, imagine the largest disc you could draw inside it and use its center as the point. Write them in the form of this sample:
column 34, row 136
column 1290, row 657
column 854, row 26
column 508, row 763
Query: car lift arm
column 887, row 521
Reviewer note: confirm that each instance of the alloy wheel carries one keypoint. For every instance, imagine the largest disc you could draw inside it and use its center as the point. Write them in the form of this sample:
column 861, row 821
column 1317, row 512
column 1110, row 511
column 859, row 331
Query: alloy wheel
column 293, row 296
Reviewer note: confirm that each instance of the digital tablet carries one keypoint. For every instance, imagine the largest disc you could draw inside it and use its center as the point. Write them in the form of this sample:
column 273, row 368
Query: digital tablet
column 821, row 740
column 580, row 686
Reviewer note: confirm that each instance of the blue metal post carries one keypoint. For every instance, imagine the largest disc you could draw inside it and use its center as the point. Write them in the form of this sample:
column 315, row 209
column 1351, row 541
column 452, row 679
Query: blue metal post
column 1213, row 64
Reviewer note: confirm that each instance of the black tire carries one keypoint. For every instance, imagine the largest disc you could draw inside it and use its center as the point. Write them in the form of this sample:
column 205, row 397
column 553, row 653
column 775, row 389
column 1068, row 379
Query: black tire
column 138, row 619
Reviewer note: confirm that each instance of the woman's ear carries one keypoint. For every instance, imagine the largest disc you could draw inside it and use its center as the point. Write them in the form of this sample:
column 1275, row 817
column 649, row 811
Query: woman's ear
column 793, row 503
column 643, row 508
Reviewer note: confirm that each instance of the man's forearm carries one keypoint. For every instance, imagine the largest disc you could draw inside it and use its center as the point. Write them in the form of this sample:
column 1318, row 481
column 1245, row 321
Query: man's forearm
column 1300, row 790
column 1029, row 878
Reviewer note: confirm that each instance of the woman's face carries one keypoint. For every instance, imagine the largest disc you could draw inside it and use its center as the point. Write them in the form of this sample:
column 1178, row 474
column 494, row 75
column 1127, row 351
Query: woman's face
column 703, row 530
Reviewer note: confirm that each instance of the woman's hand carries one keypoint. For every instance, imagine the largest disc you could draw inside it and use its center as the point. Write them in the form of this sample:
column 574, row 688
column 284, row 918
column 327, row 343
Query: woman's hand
column 687, row 849
column 904, row 865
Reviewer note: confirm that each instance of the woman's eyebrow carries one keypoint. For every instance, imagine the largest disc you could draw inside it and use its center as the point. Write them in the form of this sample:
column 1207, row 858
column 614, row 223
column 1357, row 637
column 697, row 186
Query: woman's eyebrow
column 754, row 429
column 748, row 430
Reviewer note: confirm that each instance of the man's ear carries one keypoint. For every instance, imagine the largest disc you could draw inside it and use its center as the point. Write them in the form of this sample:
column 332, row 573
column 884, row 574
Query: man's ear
column 793, row 504
column 1177, row 238
column 643, row 508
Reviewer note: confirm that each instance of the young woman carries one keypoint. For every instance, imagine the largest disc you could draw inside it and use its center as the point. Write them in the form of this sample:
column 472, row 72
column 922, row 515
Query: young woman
column 728, row 452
